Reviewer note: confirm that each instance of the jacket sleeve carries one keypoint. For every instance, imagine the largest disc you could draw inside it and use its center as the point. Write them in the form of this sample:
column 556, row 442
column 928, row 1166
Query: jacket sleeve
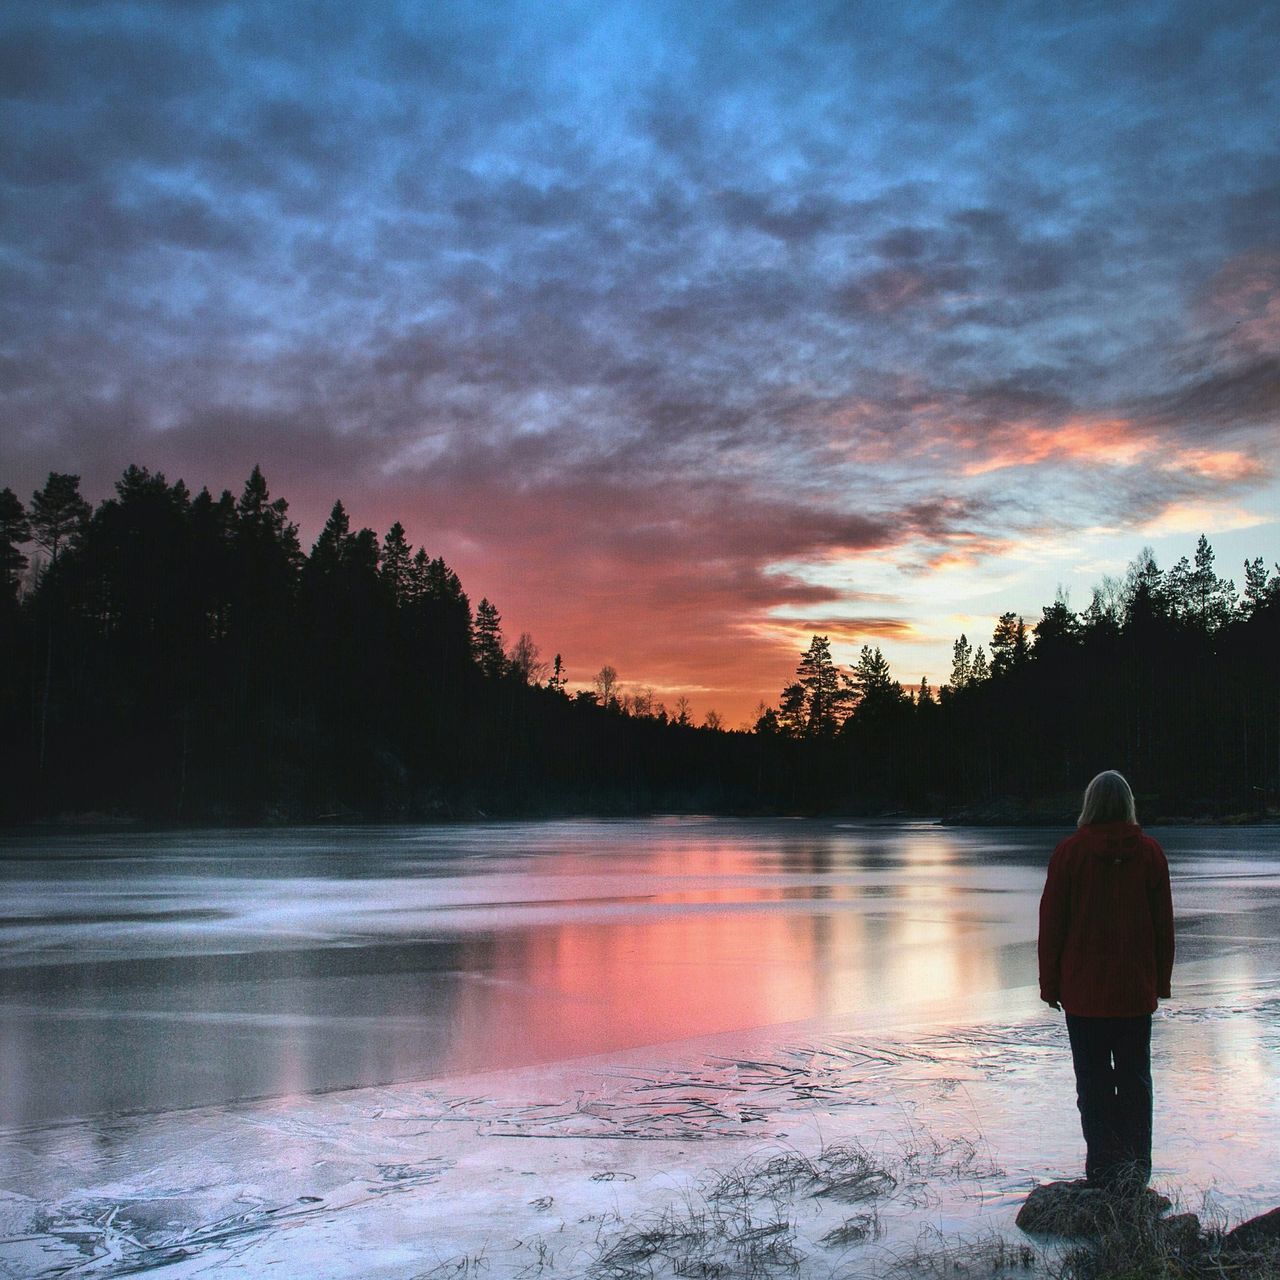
column 1161, row 899
column 1054, row 918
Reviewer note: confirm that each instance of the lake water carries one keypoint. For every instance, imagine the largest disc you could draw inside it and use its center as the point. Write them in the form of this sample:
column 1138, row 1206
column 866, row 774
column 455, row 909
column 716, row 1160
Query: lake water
column 509, row 1048
column 148, row 972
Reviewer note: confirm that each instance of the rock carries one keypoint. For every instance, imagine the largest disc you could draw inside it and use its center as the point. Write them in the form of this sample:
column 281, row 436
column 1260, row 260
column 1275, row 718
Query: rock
column 1182, row 1230
column 1262, row 1230
column 1078, row 1209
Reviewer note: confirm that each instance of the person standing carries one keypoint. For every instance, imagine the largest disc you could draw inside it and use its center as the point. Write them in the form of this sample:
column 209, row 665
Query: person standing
column 1106, row 959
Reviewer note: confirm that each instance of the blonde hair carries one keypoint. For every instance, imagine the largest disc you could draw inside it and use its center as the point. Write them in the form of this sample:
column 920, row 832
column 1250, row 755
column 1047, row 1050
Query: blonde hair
column 1108, row 798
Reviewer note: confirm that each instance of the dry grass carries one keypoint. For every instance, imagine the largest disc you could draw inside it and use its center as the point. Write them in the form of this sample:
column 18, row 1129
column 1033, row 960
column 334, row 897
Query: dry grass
column 992, row 1258
column 772, row 1217
column 741, row 1224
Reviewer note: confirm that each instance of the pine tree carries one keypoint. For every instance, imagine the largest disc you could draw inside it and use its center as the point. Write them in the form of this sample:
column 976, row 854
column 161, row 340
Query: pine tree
column 15, row 529
column 980, row 670
column 961, row 663
column 1058, row 628
column 1258, row 591
column 556, row 683
column 1213, row 597
column 791, row 711
column 265, row 520
column 826, row 697
column 486, row 643
column 397, row 565
column 1009, row 647
column 875, row 687
column 767, row 723
column 331, row 546
column 58, row 514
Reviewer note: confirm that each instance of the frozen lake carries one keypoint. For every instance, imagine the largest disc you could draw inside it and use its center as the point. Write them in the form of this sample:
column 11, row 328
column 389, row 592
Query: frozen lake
column 145, row 974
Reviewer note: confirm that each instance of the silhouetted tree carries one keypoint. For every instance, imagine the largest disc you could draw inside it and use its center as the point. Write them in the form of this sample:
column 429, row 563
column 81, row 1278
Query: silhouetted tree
column 1256, row 593
column 876, row 688
column 397, row 564
column 827, row 697
column 961, row 663
column 487, row 640
column 1058, row 629
column 524, row 661
column 58, row 514
column 792, row 711
column 606, row 686
column 980, row 670
column 557, row 680
column 1009, row 645
column 14, row 531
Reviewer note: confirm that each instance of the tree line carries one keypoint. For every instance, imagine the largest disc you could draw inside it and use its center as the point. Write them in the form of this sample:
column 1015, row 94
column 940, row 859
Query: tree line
column 181, row 657
column 1171, row 676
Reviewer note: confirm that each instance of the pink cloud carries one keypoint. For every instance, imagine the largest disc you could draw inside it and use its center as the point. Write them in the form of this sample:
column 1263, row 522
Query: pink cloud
column 1242, row 303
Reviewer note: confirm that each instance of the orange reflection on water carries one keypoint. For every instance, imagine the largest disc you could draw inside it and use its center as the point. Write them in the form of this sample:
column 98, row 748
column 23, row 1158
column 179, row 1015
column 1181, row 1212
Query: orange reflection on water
column 752, row 943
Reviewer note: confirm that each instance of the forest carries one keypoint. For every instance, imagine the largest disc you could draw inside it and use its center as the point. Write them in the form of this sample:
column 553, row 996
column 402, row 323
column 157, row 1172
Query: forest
column 171, row 657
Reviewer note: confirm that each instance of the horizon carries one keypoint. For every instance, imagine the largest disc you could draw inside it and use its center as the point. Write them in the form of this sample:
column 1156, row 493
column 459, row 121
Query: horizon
column 660, row 697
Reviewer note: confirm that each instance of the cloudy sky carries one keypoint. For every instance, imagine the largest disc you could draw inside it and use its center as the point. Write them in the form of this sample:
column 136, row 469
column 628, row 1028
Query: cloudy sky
column 683, row 331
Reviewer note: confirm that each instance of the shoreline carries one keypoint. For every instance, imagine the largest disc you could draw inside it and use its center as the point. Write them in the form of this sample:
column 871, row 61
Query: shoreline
column 93, row 821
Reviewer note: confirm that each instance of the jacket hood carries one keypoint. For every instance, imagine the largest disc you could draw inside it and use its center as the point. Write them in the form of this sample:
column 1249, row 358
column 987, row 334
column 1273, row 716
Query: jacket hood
column 1113, row 841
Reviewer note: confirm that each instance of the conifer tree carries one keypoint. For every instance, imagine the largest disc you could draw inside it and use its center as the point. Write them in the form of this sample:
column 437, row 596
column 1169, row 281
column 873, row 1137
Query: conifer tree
column 556, row 683
column 1213, row 597
column 826, row 697
column 791, row 710
column 396, row 570
column 1058, row 628
column 1009, row 646
column 1258, row 591
column 981, row 670
column 330, row 548
column 264, row 519
column 419, row 575
column 15, row 529
column 58, row 514
column 486, row 644
column 875, row 687
column 961, row 663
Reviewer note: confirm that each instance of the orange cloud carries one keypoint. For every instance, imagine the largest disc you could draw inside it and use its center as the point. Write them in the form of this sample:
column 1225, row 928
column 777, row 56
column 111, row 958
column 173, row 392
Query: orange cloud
column 1105, row 441
column 1196, row 517
column 1227, row 465
column 959, row 551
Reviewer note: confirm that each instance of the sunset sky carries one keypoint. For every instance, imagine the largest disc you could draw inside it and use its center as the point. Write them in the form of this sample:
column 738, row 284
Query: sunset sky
column 683, row 331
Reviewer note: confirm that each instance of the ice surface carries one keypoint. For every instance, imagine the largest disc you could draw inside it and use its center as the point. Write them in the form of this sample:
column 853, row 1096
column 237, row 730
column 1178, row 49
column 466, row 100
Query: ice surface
column 542, row 1170
column 670, row 1003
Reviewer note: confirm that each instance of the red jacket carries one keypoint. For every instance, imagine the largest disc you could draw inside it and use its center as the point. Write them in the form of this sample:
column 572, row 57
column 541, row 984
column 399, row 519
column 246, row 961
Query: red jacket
column 1106, row 923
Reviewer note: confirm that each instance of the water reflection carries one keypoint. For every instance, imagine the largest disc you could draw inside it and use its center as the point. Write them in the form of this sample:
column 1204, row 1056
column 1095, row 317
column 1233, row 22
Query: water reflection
column 207, row 967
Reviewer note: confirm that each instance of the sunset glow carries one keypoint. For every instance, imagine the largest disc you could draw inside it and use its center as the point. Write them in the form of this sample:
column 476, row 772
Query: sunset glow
column 682, row 332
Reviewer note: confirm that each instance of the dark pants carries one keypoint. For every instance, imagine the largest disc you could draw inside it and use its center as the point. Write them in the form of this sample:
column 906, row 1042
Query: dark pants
column 1112, row 1058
